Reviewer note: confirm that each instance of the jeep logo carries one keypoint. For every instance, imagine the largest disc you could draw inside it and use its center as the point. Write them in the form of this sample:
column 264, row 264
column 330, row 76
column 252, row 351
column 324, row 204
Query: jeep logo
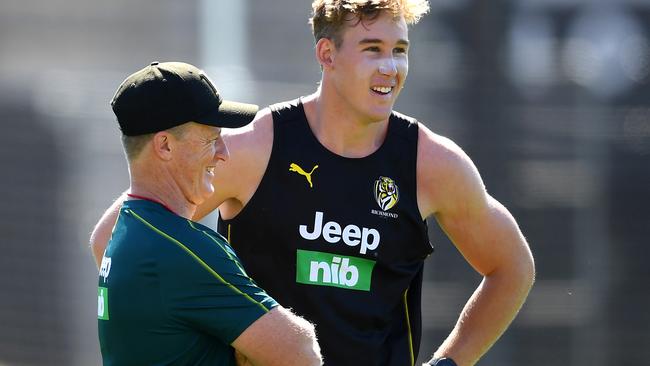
column 332, row 232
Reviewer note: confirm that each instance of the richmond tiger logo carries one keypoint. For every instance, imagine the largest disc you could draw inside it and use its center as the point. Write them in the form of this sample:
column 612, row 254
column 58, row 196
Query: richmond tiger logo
column 386, row 193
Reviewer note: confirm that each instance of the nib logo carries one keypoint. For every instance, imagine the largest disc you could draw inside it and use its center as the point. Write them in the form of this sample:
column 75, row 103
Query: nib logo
column 102, row 303
column 326, row 269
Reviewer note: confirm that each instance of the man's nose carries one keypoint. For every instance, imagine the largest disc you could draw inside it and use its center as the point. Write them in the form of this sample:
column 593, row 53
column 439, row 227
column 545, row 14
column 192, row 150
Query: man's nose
column 388, row 67
column 222, row 152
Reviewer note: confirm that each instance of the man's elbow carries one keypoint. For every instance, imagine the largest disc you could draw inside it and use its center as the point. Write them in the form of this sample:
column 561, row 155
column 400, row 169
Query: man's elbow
column 310, row 353
column 526, row 271
column 518, row 273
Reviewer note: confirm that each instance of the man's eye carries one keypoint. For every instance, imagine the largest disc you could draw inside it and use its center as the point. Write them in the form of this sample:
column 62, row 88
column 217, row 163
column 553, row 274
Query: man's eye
column 399, row 50
column 372, row 49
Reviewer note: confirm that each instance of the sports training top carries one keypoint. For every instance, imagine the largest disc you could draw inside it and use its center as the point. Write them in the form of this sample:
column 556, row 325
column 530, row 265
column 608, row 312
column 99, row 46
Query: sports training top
column 340, row 240
column 172, row 292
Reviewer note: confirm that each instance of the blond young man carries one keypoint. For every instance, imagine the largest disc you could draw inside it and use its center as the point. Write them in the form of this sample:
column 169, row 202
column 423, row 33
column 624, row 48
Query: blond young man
column 337, row 186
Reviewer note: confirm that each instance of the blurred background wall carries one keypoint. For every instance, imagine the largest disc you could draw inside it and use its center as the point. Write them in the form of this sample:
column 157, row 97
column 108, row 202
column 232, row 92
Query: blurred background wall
column 551, row 98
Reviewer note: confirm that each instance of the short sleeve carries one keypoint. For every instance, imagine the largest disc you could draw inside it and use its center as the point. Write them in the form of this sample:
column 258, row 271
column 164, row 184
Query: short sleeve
column 206, row 288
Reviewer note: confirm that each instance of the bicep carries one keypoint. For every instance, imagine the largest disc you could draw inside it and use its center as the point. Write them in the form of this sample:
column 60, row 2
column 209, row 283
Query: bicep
column 237, row 178
column 486, row 234
column 451, row 188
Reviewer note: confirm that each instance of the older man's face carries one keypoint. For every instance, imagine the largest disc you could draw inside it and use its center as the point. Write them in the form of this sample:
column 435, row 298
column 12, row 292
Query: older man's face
column 196, row 155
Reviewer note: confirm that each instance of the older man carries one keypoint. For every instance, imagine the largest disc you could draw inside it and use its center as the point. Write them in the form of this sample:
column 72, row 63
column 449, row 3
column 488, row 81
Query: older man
column 172, row 291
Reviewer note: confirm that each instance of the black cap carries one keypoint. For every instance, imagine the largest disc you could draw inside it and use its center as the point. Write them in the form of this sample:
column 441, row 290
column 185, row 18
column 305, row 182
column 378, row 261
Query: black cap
column 168, row 94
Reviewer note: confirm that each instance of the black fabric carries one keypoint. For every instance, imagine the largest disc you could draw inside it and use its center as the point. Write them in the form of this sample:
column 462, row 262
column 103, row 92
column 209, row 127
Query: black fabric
column 354, row 326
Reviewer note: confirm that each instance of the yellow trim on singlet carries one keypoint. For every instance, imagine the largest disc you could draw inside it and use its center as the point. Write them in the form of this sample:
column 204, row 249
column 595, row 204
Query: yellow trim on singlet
column 198, row 259
column 408, row 326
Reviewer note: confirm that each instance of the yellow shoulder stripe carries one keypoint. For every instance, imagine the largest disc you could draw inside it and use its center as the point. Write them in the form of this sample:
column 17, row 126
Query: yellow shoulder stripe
column 220, row 246
column 198, row 259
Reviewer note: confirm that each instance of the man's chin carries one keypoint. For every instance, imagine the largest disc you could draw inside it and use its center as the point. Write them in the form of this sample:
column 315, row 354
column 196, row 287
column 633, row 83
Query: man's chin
column 381, row 113
column 207, row 194
column 200, row 199
column 380, row 116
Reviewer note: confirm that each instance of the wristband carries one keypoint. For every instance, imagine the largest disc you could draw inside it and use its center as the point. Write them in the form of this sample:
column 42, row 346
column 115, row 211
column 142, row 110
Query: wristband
column 445, row 361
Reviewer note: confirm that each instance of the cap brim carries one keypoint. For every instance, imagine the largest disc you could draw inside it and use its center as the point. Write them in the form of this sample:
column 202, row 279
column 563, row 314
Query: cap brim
column 231, row 115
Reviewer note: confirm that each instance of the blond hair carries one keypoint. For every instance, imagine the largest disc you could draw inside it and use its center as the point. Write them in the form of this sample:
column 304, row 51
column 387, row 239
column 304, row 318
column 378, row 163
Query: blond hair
column 329, row 16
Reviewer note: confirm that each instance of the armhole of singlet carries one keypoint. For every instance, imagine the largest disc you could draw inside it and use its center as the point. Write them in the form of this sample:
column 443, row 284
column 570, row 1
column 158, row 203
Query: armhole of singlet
column 416, row 125
column 413, row 169
column 408, row 125
column 292, row 106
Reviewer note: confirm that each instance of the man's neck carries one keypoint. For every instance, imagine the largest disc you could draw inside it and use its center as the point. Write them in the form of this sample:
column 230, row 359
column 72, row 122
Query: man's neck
column 340, row 129
column 162, row 191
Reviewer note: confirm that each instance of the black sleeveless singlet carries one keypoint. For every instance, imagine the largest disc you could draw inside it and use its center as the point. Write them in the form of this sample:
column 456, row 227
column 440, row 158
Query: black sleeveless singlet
column 340, row 240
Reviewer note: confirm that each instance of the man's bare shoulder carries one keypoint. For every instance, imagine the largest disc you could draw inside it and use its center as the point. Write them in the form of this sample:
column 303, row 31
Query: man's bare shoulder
column 444, row 172
column 252, row 138
column 237, row 178
column 439, row 152
column 250, row 149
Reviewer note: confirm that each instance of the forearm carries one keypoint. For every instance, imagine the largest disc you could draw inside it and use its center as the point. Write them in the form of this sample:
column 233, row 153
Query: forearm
column 278, row 338
column 487, row 314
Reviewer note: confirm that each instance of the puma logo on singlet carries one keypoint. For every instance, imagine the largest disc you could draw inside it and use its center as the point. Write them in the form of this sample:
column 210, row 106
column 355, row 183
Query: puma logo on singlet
column 293, row 167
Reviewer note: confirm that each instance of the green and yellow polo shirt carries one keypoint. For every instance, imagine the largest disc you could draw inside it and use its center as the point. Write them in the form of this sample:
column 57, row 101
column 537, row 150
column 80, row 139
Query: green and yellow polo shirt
column 172, row 292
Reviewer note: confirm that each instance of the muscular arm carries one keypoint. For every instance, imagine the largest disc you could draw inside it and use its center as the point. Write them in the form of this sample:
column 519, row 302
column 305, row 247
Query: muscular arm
column 487, row 236
column 278, row 338
column 237, row 178
column 103, row 229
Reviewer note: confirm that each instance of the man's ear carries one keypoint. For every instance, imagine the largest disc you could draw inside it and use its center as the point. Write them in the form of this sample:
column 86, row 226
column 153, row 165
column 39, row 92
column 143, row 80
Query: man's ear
column 325, row 52
column 163, row 143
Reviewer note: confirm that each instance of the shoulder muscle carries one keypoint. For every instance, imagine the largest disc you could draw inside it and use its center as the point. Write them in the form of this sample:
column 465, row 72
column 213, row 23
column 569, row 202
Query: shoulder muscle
column 237, row 178
column 447, row 178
